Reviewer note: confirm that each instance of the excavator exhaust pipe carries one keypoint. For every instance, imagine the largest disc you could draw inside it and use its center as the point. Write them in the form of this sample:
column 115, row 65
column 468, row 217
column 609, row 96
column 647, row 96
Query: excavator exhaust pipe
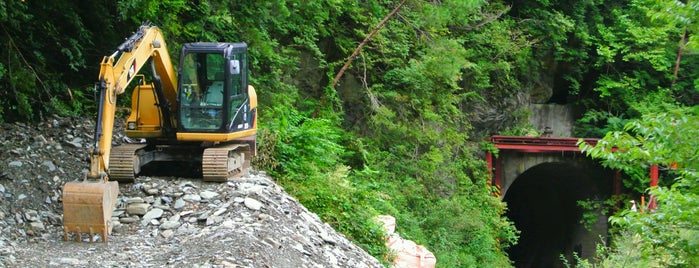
column 88, row 207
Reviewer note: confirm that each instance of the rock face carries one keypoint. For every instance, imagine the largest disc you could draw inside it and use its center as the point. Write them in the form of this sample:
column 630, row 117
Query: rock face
column 158, row 221
column 498, row 113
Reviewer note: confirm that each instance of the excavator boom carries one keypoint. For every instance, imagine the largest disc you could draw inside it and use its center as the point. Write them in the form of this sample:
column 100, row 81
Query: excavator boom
column 88, row 203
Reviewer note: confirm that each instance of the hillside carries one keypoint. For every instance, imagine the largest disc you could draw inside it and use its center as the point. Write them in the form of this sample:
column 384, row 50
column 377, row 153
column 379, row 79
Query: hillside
column 159, row 221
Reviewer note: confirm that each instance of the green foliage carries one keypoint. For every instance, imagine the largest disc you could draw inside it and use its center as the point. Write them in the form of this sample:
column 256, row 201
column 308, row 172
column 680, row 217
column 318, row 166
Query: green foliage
column 667, row 236
column 563, row 32
column 680, row 15
column 420, row 99
column 490, row 147
column 305, row 155
column 592, row 208
column 659, row 139
column 22, row 85
column 629, row 249
column 610, row 57
column 596, row 123
column 47, row 47
column 527, row 130
column 468, row 226
column 302, row 141
column 437, row 203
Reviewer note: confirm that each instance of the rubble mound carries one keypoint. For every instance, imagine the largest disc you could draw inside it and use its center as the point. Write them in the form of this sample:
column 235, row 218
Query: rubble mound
column 158, row 221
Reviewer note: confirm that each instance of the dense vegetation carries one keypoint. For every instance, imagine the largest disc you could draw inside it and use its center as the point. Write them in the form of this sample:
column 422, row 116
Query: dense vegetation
column 400, row 133
column 668, row 236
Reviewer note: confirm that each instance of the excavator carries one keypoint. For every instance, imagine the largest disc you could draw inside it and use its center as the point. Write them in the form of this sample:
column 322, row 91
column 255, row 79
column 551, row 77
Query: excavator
column 203, row 113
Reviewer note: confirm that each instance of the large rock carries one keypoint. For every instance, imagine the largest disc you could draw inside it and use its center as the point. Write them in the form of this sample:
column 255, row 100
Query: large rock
column 137, row 208
column 152, row 214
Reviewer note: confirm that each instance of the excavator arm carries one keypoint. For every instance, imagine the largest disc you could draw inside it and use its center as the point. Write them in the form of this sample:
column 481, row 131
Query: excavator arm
column 88, row 204
column 146, row 44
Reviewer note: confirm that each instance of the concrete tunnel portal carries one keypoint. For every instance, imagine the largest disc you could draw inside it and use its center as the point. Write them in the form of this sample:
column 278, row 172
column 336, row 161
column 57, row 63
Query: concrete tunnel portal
column 541, row 182
column 542, row 203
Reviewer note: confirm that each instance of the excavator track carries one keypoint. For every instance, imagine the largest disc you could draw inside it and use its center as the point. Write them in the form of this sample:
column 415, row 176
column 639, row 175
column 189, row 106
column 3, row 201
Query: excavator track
column 124, row 164
column 226, row 162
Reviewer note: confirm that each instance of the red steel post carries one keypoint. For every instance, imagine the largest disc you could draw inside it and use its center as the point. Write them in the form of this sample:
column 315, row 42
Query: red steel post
column 498, row 176
column 653, row 182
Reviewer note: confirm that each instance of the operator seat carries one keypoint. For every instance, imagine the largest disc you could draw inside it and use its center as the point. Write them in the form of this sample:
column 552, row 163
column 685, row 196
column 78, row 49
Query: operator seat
column 214, row 94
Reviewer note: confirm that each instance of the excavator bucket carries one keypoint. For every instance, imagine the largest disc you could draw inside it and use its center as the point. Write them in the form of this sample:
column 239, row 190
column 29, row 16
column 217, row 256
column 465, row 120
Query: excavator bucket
column 88, row 207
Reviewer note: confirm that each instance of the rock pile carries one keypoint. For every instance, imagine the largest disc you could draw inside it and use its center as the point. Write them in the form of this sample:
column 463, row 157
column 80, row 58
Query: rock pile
column 158, row 221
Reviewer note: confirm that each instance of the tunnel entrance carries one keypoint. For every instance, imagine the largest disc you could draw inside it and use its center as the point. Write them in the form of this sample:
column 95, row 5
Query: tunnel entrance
column 542, row 203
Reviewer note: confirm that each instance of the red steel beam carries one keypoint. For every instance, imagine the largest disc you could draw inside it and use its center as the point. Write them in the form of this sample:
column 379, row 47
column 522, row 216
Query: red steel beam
column 538, row 144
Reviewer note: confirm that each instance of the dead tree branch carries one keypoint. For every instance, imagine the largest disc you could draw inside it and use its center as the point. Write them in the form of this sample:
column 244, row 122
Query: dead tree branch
column 361, row 45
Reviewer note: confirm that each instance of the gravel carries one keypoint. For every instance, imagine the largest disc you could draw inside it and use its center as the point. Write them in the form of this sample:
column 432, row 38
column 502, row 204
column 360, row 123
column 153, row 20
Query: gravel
column 158, row 221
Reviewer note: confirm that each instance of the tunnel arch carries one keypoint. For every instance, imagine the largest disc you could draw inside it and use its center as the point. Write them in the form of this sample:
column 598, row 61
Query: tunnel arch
column 542, row 203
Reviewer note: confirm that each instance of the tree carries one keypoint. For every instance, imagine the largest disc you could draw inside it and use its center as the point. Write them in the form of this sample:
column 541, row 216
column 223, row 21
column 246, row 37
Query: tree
column 666, row 236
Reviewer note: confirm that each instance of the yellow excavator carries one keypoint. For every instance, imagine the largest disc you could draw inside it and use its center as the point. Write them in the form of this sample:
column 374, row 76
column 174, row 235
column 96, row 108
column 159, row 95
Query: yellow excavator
column 205, row 113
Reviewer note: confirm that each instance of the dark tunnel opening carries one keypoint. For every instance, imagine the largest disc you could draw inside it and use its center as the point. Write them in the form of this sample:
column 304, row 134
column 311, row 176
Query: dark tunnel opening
column 542, row 203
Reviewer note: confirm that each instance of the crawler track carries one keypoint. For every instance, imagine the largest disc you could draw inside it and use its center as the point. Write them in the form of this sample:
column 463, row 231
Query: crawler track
column 226, row 162
column 124, row 164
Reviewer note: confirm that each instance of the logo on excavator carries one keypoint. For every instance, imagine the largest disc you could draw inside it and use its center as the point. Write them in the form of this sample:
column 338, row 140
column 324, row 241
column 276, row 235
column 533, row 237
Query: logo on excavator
column 132, row 70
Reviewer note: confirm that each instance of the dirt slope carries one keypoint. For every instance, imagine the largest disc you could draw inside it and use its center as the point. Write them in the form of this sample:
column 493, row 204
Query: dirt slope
column 159, row 221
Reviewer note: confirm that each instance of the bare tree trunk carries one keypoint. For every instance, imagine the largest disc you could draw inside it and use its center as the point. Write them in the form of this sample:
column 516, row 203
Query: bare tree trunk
column 359, row 47
column 679, row 58
column 356, row 52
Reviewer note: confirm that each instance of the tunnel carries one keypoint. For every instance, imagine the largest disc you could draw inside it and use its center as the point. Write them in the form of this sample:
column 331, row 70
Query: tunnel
column 542, row 203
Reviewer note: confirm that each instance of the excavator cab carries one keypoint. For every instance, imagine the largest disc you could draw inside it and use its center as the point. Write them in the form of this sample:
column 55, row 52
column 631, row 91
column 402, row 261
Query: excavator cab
column 213, row 88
